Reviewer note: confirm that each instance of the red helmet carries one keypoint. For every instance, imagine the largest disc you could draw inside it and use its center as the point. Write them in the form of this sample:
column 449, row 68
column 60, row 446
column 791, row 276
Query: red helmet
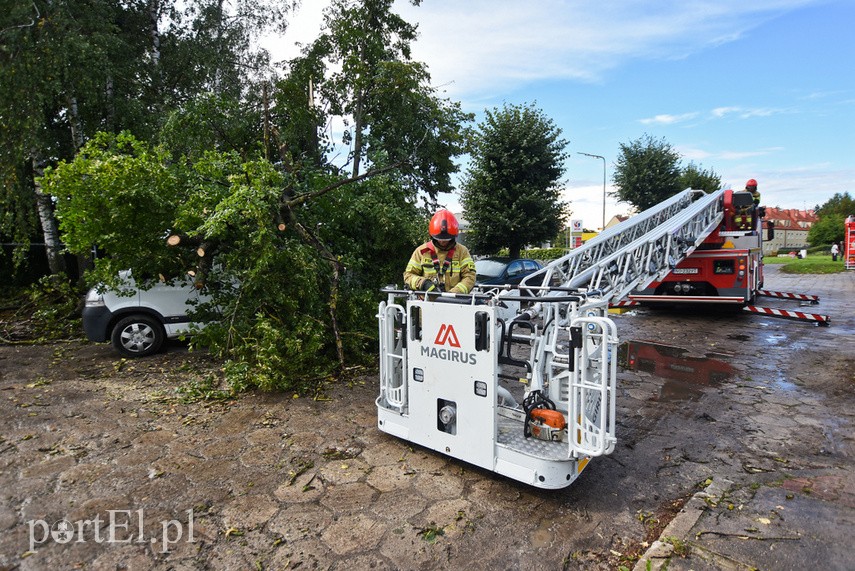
column 443, row 226
column 751, row 184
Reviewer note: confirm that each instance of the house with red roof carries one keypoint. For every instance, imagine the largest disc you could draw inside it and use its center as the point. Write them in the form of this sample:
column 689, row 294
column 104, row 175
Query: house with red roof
column 791, row 228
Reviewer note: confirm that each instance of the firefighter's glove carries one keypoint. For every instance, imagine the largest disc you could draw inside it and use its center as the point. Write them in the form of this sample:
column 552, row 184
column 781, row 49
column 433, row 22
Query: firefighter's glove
column 429, row 285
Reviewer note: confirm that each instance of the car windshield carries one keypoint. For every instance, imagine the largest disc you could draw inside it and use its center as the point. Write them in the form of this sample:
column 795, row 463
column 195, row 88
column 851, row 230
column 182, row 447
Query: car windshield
column 489, row 268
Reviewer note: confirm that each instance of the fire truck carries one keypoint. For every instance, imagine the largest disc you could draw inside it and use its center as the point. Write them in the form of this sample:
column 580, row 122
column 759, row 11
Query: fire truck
column 726, row 268
column 849, row 243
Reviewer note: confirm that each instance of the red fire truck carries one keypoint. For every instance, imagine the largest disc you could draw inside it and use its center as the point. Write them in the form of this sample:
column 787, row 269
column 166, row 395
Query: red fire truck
column 849, row 244
column 727, row 267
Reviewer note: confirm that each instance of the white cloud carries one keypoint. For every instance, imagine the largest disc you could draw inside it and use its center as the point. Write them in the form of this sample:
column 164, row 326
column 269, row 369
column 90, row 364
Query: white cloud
column 697, row 154
column 741, row 155
column 477, row 47
column 746, row 113
column 484, row 50
column 716, row 113
column 803, row 187
column 668, row 119
column 693, row 154
column 719, row 112
column 586, row 204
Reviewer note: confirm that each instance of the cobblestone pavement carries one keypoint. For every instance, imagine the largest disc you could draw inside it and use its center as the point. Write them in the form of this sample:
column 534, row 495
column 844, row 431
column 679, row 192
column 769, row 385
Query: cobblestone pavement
column 144, row 480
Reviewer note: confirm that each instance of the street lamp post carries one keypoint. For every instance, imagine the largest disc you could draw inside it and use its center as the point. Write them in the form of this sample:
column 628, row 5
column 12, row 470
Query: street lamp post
column 604, row 182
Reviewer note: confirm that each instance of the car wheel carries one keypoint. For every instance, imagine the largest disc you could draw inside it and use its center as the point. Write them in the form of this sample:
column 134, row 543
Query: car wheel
column 138, row 336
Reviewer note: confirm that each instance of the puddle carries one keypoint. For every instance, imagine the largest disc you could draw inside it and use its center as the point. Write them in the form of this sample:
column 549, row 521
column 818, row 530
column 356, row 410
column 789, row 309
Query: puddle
column 684, row 374
column 783, row 384
column 543, row 536
column 775, row 338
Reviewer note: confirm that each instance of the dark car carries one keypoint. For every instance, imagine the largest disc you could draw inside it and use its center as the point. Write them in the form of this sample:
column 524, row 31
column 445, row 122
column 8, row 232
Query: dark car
column 500, row 271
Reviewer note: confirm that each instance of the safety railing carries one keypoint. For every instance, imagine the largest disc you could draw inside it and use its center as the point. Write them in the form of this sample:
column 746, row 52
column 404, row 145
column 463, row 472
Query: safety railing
column 393, row 357
column 591, row 411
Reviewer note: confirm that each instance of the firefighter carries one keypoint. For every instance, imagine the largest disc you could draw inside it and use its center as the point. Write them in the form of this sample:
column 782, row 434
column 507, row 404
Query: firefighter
column 751, row 186
column 441, row 264
column 744, row 218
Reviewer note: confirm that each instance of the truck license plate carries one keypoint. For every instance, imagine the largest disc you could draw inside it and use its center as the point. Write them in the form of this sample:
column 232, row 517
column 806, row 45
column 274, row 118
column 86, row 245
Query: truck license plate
column 686, row 270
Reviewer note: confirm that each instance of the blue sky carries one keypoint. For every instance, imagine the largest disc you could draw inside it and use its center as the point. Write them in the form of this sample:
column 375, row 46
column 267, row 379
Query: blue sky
column 759, row 89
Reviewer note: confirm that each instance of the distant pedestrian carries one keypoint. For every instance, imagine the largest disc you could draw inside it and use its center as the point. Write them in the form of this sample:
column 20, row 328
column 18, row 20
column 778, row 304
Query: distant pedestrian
column 834, row 251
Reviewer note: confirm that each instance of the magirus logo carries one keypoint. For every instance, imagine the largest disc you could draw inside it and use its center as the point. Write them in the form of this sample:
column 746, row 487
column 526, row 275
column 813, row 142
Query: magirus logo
column 447, row 336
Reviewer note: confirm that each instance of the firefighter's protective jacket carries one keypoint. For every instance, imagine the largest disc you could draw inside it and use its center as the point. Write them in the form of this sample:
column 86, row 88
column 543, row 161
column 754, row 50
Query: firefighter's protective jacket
column 428, row 263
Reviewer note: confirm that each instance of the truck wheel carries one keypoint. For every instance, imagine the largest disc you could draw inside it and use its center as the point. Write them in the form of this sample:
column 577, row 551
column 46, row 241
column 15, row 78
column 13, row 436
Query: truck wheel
column 137, row 336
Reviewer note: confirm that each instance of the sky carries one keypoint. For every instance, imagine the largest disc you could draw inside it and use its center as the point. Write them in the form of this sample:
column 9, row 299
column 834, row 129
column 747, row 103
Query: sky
column 761, row 89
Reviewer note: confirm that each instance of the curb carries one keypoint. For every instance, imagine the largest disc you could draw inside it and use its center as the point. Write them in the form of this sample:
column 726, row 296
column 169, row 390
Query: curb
column 659, row 553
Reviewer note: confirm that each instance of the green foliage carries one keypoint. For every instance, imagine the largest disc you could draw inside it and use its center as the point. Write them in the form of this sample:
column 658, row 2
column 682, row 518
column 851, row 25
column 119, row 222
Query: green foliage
column 289, row 251
column 512, row 194
column 356, row 222
column 269, row 353
column 647, row 171
column 271, row 291
column 56, row 301
column 18, row 220
column 53, row 59
column 818, row 264
column 46, row 310
column 544, row 254
column 392, row 113
column 120, row 195
column 693, row 176
column 71, row 69
column 830, row 228
column 212, row 122
column 300, row 126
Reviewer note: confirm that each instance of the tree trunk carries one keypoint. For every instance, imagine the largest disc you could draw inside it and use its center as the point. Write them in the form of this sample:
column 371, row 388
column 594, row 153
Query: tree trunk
column 313, row 128
column 110, row 111
column 357, row 135
column 85, row 262
column 333, row 306
column 154, row 37
column 154, row 32
column 50, row 229
column 76, row 124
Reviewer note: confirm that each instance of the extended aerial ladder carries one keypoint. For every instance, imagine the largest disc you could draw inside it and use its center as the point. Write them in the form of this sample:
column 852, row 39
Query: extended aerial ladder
column 640, row 250
column 522, row 381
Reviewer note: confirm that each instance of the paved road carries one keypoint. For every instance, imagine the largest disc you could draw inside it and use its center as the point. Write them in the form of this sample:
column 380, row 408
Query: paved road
column 273, row 482
column 799, row 511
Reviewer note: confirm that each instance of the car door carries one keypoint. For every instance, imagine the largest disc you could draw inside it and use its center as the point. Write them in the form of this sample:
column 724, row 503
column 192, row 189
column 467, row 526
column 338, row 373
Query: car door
column 172, row 301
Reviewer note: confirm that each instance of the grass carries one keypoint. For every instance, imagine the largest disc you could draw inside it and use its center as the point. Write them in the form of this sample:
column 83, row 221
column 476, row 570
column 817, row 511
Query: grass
column 813, row 264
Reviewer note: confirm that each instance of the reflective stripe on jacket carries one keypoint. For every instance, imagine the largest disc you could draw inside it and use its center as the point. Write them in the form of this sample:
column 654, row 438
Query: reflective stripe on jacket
column 459, row 277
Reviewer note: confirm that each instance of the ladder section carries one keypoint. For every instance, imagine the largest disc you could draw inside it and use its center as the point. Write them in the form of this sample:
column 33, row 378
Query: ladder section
column 638, row 251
